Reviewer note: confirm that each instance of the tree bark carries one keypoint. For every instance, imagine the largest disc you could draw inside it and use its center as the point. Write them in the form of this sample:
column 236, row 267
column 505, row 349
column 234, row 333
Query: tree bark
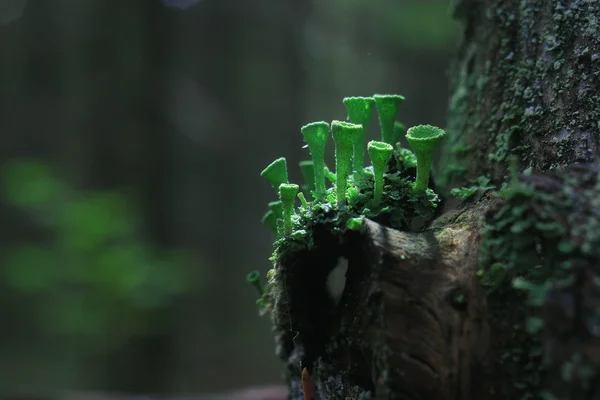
column 415, row 320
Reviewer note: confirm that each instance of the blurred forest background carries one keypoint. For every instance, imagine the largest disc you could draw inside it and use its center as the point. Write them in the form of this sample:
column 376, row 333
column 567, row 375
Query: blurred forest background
column 132, row 138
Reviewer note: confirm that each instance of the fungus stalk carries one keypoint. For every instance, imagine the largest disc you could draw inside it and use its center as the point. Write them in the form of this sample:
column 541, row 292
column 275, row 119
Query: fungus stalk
column 380, row 153
column 315, row 135
column 344, row 136
column 387, row 109
column 287, row 194
column 276, row 173
column 359, row 111
column 424, row 139
column 303, row 201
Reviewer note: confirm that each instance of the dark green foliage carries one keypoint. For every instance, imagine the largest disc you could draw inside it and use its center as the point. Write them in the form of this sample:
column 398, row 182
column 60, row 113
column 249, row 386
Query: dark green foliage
column 91, row 257
column 544, row 226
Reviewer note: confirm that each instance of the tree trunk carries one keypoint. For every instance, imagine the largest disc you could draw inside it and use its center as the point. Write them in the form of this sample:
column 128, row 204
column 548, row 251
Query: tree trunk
column 426, row 315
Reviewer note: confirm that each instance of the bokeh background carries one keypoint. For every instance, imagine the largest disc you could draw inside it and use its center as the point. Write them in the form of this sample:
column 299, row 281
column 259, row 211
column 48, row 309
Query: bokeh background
column 132, row 138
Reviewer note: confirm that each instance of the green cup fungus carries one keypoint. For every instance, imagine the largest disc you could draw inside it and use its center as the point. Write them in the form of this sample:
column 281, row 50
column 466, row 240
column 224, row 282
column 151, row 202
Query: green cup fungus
column 287, row 194
column 387, row 109
column 315, row 135
column 253, row 278
column 270, row 218
column 344, row 135
column 276, row 172
column 380, row 153
column 307, row 168
column 270, row 221
column 424, row 139
column 359, row 110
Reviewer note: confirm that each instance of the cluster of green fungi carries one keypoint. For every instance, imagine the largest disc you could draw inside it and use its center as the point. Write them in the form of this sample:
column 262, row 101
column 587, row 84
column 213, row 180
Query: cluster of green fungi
column 386, row 191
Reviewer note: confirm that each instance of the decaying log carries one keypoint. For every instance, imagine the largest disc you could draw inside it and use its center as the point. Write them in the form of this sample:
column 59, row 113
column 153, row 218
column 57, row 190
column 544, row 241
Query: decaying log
column 412, row 320
column 425, row 322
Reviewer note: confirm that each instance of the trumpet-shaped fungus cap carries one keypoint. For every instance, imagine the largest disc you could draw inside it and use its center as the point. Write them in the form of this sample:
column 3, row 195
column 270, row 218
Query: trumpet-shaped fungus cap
column 387, row 108
column 276, row 207
column 253, row 278
column 287, row 193
column 424, row 138
column 315, row 134
column 307, row 168
column 359, row 109
column 276, row 172
column 380, row 153
column 387, row 104
column 344, row 134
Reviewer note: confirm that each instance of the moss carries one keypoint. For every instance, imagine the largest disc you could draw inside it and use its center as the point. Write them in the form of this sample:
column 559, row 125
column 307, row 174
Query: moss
column 526, row 75
column 481, row 184
column 531, row 242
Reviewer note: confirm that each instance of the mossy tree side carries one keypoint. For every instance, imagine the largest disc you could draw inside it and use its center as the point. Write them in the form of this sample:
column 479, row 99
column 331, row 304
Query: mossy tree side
column 525, row 83
column 496, row 298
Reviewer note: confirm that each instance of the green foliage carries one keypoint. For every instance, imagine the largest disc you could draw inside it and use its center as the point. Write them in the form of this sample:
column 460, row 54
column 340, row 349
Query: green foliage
column 541, row 229
column 91, row 272
column 480, row 184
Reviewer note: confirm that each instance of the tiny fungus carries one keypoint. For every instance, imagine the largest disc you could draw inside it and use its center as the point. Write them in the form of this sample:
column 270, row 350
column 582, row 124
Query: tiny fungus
column 287, row 194
column 308, row 173
column 270, row 221
column 253, row 278
column 424, row 139
column 303, row 200
column 387, row 109
column 380, row 153
column 359, row 110
column 344, row 135
column 276, row 173
column 277, row 208
column 315, row 135
column 275, row 213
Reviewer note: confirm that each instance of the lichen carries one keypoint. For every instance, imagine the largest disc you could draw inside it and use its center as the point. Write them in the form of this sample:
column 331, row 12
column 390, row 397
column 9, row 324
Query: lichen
column 532, row 240
column 309, row 237
column 526, row 75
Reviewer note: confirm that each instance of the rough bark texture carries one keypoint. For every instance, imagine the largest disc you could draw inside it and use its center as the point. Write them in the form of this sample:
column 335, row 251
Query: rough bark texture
column 525, row 83
column 414, row 321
